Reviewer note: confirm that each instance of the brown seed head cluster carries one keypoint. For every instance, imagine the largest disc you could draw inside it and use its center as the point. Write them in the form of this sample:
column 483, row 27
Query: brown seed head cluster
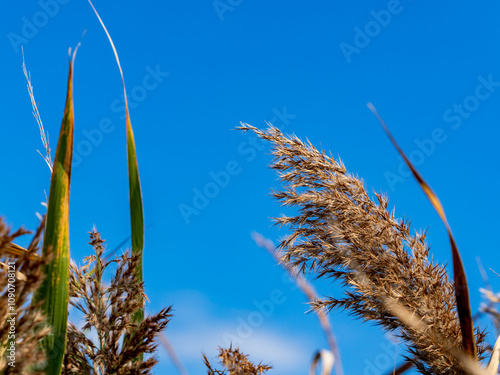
column 108, row 311
column 235, row 363
column 342, row 233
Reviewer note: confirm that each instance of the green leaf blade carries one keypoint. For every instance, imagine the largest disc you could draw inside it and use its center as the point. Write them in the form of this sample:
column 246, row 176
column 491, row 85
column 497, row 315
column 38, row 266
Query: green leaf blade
column 135, row 195
column 54, row 291
column 136, row 209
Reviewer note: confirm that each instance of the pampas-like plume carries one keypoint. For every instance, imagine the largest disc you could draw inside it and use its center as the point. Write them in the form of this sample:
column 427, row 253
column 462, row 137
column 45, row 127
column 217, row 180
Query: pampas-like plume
column 235, row 363
column 343, row 233
column 109, row 310
column 21, row 323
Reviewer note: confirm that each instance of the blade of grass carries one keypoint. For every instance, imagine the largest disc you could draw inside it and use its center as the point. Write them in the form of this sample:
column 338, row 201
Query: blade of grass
column 461, row 288
column 54, row 291
column 135, row 195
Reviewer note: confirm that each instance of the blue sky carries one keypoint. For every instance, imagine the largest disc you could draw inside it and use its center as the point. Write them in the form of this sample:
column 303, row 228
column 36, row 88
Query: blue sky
column 193, row 71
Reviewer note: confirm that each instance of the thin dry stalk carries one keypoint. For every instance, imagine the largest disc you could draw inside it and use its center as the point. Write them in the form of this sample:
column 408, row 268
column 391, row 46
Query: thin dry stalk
column 308, row 289
column 341, row 232
column 172, row 354
column 38, row 118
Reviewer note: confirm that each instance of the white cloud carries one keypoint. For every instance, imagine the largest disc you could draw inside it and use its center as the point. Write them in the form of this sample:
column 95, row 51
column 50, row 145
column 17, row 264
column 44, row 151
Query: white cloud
column 197, row 329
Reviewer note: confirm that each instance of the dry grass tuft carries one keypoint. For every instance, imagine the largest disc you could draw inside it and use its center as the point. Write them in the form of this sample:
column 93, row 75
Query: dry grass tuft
column 108, row 310
column 342, row 233
column 36, row 114
column 235, row 363
column 29, row 325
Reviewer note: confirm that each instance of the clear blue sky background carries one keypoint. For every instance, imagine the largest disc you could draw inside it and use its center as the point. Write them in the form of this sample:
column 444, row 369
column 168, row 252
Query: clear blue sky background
column 254, row 63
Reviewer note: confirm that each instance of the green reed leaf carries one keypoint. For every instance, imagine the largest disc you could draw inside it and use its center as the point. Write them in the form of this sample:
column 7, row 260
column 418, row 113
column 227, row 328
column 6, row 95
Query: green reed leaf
column 54, row 291
column 135, row 195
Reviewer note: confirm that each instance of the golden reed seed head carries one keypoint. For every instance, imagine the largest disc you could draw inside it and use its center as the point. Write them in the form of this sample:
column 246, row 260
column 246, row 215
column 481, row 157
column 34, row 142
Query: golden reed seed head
column 343, row 233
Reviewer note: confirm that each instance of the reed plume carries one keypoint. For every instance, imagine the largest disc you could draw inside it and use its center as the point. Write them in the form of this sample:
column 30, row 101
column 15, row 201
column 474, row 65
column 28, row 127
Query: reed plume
column 343, row 233
column 235, row 363
column 108, row 310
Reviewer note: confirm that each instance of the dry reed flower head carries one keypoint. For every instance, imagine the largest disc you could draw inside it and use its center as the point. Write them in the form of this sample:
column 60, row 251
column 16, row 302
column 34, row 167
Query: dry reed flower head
column 235, row 363
column 342, row 233
column 29, row 323
column 109, row 309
